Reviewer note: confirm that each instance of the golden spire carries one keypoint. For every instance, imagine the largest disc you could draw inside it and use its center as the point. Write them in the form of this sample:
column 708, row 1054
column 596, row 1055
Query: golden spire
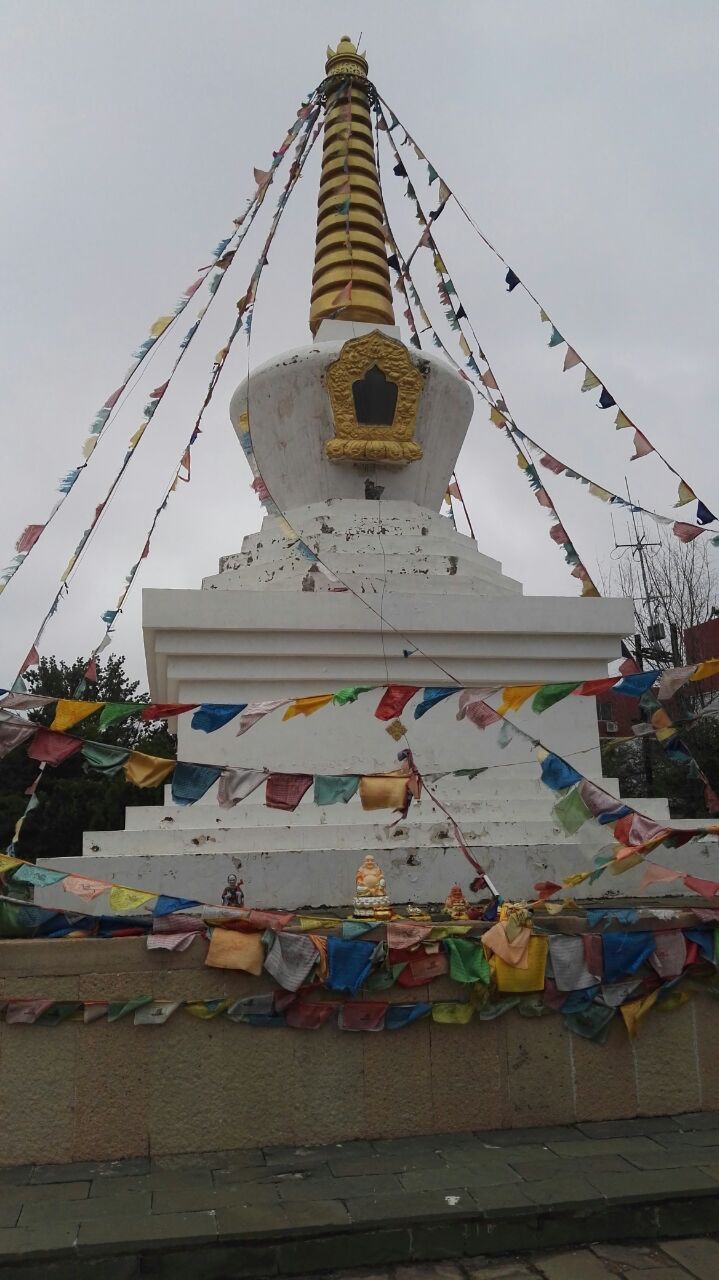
column 351, row 277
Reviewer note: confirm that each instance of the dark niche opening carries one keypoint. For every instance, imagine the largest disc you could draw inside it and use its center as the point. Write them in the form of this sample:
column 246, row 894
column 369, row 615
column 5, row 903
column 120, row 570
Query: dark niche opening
column 375, row 399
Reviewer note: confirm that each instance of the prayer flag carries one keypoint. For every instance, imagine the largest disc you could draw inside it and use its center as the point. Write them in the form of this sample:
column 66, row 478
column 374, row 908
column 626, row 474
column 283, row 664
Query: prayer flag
column 307, row 706
column 571, row 811
column 124, row 899
column 642, row 446
column 52, row 748
column 394, row 699
column 548, row 694
column 514, row 696
column 147, row 771
column 571, row 359
column 590, row 381
column 685, row 494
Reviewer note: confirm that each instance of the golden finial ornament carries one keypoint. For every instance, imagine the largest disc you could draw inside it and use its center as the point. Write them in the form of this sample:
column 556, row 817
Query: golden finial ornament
column 351, row 277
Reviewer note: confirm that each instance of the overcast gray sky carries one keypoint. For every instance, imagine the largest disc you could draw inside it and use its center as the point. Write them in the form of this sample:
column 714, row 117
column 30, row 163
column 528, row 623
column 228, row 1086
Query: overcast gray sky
column 581, row 134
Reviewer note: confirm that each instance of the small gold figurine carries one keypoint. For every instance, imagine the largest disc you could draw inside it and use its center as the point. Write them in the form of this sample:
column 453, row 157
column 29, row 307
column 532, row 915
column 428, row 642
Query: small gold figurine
column 371, row 901
column 456, row 904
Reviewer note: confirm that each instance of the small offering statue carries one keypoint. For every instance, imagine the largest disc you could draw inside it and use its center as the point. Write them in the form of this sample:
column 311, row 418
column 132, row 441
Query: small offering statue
column 371, row 901
column 456, row 904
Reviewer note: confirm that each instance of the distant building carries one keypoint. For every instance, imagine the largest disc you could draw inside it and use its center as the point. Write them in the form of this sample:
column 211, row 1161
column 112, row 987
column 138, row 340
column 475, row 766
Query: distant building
column 616, row 713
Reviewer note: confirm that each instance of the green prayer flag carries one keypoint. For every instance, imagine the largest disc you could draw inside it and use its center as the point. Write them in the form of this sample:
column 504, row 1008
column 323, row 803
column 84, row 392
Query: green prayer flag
column 351, row 693
column 58, row 1012
column 113, row 711
column 571, row 811
column 497, row 1008
column 551, row 693
column 382, row 979
column 104, row 757
column 42, row 877
column 467, row 960
column 118, row 1008
column 331, row 789
column 451, row 1011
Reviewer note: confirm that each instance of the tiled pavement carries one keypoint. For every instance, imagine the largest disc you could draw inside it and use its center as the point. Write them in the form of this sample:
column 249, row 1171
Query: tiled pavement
column 478, row 1199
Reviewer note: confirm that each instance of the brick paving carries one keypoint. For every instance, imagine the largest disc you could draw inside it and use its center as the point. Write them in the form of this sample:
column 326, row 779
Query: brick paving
column 557, row 1202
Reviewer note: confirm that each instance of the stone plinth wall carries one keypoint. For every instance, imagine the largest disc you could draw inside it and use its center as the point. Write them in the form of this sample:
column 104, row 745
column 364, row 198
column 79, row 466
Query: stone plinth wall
column 102, row 1091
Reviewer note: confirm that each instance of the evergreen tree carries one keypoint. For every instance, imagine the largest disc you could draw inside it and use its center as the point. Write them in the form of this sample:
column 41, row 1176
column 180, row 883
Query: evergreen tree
column 72, row 798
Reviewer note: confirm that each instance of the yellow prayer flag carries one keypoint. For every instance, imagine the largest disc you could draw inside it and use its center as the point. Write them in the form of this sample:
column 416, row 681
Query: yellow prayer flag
column 622, row 420
column 307, row 706
column 635, row 1010
column 147, row 771
column 207, row 1008
column 578, row 878
column 451, row 1011
column 88, row 446
column 599, row 492
column 389, row 792
column 123, row 899
column 522, row 462
column 230, row 949
column 588, row 588
column 663, row 734
column 136, row 437
column 685, row 494
column 590, row 381
column 6, row 862
column 513, row 979
column 625, row 859
column 543, row 315
column 705, row 669
column 438, row 263
column 310, row 924
column 68, row 568
column 69, row 712
column 496, row 417
column 515, row 695
column 160, row 325
column 464, row 346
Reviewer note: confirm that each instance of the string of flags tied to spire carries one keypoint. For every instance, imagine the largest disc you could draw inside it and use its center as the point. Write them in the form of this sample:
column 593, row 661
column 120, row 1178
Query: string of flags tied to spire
column 457, row 319
column 572, row 359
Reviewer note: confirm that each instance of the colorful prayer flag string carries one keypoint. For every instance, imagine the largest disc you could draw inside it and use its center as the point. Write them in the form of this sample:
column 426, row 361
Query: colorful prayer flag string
column 221, row 259
column 572, row 358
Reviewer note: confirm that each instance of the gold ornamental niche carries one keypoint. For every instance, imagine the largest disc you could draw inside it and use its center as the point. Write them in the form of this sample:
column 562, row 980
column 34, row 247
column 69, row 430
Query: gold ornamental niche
column 374, row 390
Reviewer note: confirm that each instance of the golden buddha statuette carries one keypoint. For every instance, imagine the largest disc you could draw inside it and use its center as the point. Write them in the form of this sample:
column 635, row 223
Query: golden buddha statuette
column 371, row 900
column 455, row 905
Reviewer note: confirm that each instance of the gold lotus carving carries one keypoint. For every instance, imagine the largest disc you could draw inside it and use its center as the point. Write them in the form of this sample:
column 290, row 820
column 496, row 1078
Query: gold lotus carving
column 355, row 441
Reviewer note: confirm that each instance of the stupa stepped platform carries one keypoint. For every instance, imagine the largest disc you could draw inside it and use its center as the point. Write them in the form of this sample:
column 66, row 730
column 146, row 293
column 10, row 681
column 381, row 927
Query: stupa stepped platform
column 366, row 543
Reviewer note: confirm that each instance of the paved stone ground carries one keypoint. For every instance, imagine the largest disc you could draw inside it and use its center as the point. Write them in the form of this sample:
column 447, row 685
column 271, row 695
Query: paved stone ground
column 395, row 1205
column 690, row 1259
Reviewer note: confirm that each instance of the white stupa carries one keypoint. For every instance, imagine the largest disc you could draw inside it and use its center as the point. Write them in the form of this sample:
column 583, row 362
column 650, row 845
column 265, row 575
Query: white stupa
column 356, row 437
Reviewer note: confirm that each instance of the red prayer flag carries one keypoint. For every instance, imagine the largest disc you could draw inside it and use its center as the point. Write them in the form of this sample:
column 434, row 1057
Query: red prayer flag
column 422, row 967
column 285, row 790
column 52, row 748
column 28, row 538
column 685, row 532
column 593, row 688
column 705, row 888
column 162, row 710
column 394, row 699
column 31, row 660
column 551, row 464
